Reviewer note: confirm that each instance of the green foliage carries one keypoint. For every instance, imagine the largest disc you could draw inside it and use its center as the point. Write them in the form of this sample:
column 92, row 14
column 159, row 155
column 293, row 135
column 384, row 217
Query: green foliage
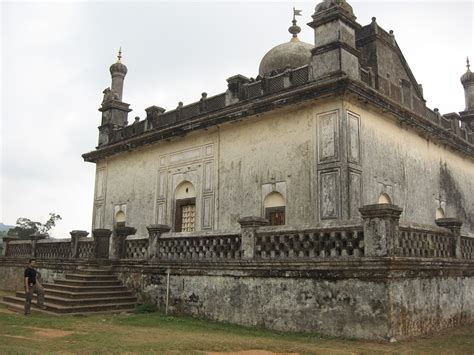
column 26, row 227
column 145, row 308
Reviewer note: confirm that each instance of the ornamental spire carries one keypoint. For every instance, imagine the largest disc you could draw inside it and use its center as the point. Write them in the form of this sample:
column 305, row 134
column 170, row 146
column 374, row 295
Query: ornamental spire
column 295, row 29
column 119, row 56
column 467, row 64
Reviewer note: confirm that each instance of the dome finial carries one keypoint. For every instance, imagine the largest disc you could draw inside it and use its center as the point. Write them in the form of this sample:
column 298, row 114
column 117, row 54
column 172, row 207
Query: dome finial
column 119, row 56
column 294, row 30
column 467, row 63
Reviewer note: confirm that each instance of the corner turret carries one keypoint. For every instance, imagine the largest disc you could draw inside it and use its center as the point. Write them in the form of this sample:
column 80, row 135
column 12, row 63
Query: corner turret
column 467, row 81
column 114, row 110
column 335, row 49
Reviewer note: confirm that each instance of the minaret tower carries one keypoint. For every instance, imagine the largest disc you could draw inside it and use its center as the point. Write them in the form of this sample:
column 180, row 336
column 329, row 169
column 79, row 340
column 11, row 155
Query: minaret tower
column 114, row 110
column 118, row 72
column 467, row 81
column 335, row 49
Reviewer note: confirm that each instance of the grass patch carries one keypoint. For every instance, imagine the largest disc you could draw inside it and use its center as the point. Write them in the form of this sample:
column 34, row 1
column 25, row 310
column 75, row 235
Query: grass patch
column 158, row 333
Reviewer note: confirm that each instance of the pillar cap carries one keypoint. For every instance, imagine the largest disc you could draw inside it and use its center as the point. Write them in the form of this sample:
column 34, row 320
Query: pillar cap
column 125, row 230
column 79, row 233
column 101, row 232
column 380, row 210
column 160, row 228
column 252, row 221
column 448, row 222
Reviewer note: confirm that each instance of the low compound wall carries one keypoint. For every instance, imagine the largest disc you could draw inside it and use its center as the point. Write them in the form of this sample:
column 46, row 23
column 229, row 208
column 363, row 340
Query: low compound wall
column 371, row 298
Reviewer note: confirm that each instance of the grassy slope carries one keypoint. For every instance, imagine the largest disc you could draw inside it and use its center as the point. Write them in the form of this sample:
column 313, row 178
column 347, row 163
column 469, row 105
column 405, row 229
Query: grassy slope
column 139, row 333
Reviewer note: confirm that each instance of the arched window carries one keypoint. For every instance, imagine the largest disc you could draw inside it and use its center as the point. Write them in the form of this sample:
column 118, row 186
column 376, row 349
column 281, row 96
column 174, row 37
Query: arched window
column 440, row 213
column 385, row 199
column 274, row 205
column 185, row 209
column 120, row 219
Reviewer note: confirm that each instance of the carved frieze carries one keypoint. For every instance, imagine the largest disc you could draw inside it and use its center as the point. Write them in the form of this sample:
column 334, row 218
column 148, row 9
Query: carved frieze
column 329, row 198
column 328, row 136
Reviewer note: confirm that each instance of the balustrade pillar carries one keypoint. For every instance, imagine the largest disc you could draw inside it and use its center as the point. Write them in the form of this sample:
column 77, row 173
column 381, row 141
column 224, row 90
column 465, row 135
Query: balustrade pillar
column 6, row 240
column 34, row 240
column 101, row 243
column 75, row 236
column 155, row 231
column 249, row 227
column 381, row 229
column 118, row 241
column 454, row 225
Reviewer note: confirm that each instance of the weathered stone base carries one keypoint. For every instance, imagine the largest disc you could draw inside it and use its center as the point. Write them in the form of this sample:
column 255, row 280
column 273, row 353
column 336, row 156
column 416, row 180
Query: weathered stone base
column 366, row 298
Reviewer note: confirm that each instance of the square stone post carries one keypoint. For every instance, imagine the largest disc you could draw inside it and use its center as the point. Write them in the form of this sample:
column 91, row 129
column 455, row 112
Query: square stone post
column 101, row 243
column 154, row 232
column 6, row 240
column 118, row 241
column 34, row 240
column 454, row 225
column 249, row 227
column 75, row 236
column 381, row 224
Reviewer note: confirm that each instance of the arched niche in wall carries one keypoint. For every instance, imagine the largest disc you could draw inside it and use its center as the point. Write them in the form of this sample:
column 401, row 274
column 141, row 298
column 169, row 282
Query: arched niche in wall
column 185, row 207
column 384, row 199
column 120, row 219
column 274, row 206
column 440, row 213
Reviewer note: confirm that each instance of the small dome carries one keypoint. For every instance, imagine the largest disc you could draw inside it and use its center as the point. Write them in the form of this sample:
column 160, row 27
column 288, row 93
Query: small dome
column 326, row 4
column 468, row 76
column 292, row 54
column 118, row 68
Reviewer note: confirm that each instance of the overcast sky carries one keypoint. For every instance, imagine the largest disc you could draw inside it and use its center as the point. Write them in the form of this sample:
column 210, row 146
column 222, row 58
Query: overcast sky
column 55, row 60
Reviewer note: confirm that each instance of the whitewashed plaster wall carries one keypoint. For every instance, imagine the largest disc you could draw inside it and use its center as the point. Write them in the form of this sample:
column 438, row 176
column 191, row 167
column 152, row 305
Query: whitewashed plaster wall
column 418, row 174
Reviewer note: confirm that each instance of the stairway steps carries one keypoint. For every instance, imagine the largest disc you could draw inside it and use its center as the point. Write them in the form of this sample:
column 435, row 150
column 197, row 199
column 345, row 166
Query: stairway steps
column 89, row 290
column 81, row 301
column 82, row 295
column 87, row 277
column 83, row 289
column 88, row 282
column 58, row 308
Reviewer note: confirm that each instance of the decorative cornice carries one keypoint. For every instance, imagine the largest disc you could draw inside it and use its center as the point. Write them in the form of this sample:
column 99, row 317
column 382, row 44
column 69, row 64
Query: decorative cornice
column 312, row 90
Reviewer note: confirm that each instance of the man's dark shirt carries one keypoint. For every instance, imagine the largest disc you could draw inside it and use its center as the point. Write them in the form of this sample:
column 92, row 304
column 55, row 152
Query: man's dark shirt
column 30, row 273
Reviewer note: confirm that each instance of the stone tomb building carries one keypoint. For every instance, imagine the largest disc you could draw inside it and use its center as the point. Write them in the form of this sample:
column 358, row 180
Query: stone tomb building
column 321, row 196
column 325, row 128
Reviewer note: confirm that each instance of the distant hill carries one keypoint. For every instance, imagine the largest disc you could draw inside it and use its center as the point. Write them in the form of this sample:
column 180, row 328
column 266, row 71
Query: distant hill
column 5, row 227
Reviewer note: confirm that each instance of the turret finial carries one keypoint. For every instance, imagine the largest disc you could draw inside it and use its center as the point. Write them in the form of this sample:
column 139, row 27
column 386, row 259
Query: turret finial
column 119, row 56
column 467, row 63
column 294, row 30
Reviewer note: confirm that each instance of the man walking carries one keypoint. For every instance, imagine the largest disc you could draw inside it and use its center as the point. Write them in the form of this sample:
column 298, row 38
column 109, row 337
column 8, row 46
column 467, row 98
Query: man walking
column 32, row 285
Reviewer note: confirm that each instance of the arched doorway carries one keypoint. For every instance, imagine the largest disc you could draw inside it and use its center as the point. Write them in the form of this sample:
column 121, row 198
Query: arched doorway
column 274, row 205
column 384, row 199
column 185, row 207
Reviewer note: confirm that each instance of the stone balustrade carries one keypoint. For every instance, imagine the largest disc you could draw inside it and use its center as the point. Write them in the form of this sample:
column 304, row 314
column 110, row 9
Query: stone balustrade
column 380, row 235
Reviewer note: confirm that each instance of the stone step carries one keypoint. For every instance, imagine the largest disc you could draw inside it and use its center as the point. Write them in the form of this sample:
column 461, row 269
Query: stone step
column 56, row 308
column 94, row 271
column 81, row 301
column 87, row 277
column 94, row 294
column 88, row 282
column 86, row 289
column 19, row 308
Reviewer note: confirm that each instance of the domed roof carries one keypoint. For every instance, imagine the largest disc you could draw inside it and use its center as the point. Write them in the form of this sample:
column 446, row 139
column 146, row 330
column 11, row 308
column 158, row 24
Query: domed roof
column 468, row 76
column 291, row 54
column 118, row 67
column 327, row 4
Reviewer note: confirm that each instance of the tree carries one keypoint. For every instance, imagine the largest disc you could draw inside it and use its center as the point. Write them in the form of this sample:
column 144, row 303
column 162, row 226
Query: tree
column 26, row 227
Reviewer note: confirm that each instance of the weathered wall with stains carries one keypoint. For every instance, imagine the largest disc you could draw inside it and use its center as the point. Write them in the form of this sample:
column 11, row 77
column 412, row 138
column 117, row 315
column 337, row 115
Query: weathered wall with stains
column 419, row 175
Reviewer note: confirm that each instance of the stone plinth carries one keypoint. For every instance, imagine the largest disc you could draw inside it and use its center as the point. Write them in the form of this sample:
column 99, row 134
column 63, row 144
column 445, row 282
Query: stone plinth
column 381, row 223
column 155, row 231
column 249, row 226
column 75, row 236
column 101, row 242
column 454, row 225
